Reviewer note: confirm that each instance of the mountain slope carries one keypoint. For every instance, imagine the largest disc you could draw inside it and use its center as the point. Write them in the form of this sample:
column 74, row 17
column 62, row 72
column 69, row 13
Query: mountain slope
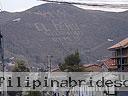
column 60, row 29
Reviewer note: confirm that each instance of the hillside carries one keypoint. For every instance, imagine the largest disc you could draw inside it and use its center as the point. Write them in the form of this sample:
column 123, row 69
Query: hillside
column 58, row 30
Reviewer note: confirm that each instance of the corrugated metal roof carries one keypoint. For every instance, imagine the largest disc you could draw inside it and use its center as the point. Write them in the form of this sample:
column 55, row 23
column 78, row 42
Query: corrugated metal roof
column 123, row 43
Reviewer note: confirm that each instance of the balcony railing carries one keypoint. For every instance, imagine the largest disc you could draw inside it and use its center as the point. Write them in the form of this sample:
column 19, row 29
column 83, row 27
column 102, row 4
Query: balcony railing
column 119, row 56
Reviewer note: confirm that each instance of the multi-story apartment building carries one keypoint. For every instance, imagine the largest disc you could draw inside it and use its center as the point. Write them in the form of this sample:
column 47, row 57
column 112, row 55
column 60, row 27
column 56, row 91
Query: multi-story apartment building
column 120, row 55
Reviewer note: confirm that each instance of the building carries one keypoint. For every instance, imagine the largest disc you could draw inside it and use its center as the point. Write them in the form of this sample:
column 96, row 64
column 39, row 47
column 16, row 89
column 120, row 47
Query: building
column 108, row 65
column 86, row 67
column 92, row 67
column 120, row 58
column 120, row 55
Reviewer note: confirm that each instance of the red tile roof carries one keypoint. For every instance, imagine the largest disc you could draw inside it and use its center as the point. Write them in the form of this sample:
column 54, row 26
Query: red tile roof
column 56, row 70
column 123, row 43
column 89, row 65
column 110, row 63
column 93, row 67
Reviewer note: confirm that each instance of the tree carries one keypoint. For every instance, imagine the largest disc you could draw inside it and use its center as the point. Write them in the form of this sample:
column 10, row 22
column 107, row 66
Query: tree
column 72, row 63
column 73, row 59
column 20, row 66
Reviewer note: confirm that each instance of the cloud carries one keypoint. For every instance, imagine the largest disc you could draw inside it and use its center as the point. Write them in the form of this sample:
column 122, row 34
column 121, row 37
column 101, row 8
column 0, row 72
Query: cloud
column 21, row 5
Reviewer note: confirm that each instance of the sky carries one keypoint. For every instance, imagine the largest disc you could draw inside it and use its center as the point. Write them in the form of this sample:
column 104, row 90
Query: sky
column 18, row 5
column 21, row 5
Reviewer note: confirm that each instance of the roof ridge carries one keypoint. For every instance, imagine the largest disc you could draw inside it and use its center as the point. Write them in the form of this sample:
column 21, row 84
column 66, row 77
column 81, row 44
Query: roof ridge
column 123, row 43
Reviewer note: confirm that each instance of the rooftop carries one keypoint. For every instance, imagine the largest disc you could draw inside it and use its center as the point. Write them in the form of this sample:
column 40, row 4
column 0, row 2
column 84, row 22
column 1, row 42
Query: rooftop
column 92, row 67
column 110, row 63
column 121, row 44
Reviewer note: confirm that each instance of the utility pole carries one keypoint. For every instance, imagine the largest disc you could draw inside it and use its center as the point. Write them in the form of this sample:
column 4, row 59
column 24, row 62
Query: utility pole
column 1, row 52
column 49, row 57
column 4, row 93
column 49, row 70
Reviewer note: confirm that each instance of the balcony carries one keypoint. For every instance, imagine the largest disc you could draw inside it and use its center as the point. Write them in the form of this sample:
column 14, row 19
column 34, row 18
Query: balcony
column 117, row 54
column 114, row 55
